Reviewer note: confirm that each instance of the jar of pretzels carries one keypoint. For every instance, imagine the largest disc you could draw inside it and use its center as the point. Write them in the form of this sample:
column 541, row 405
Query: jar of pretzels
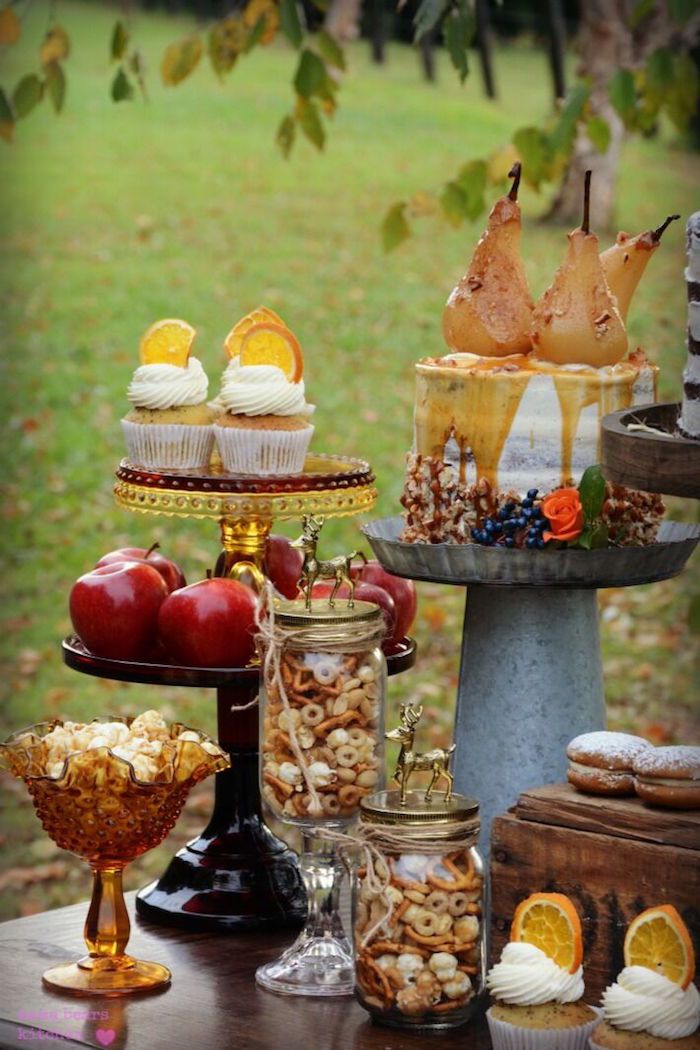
column 321, row 709
column 418, row 910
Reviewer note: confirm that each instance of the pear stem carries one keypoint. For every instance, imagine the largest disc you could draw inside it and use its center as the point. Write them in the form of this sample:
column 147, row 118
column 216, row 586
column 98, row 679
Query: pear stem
column 514, row 174
column 586, row 224
column 658, row 232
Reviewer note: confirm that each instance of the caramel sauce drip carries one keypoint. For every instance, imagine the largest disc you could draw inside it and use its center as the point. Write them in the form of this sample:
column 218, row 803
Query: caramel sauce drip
column 576, row 392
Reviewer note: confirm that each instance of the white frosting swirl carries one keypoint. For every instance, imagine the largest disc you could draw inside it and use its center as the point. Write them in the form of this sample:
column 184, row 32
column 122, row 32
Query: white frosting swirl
column 168, row 386
column 525, row 976
column 642, row 1000
column 261, row 390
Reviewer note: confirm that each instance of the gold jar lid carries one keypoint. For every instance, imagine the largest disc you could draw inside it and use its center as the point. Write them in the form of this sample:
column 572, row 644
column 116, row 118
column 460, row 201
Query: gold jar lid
column 295, row 613
column 384, row 807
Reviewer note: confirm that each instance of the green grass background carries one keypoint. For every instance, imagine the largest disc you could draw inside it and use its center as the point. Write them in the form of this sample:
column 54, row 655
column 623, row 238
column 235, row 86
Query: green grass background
column 116, row 215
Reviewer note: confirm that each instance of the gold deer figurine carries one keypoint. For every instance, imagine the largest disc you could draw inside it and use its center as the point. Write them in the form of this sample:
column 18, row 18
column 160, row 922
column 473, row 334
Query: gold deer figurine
column 336, row 569
column 437, row 760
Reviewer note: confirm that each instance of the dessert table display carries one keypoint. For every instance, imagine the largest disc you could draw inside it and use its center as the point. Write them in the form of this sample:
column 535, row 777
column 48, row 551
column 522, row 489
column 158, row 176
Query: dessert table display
column 236, row 874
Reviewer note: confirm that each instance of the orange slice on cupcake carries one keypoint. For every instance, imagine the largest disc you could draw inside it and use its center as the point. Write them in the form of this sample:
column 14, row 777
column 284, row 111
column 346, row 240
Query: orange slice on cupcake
column 550, row 922
column 261, row 314
column 659, row 940
column 273, row 344
column 167, row 342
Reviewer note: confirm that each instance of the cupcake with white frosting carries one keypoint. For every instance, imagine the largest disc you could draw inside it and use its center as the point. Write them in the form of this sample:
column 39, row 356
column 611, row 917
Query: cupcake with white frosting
column 537, row 987
column 653, row 1004
column 265, row 426
column 170, row 424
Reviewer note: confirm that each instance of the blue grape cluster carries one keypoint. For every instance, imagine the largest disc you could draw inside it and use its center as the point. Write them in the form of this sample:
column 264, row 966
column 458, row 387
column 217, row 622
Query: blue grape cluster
column 514, row 525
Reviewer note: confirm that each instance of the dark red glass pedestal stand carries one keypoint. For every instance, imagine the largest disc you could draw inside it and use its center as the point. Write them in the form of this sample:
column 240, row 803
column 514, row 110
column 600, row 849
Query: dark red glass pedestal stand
column 236, row 875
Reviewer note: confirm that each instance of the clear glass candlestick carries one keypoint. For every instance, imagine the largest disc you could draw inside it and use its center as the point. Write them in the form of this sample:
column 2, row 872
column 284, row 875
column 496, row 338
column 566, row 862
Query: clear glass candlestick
column 95, row 805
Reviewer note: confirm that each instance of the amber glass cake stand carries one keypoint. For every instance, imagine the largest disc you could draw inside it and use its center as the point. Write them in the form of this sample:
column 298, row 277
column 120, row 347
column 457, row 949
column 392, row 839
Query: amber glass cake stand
column 530, row 676
column 236, row 874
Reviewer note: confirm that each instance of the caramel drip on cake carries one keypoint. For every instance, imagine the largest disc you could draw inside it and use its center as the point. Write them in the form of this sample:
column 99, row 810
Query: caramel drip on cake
column 576, row 392
column 479, row 416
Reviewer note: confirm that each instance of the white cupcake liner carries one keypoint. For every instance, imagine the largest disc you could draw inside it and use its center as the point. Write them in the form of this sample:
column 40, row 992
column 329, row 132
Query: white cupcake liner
column 506, row 1036
column 249, row 451
column 169, row 445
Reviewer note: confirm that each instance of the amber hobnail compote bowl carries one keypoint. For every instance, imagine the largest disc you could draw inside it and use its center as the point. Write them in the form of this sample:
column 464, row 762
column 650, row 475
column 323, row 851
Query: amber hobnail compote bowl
column 96, row 806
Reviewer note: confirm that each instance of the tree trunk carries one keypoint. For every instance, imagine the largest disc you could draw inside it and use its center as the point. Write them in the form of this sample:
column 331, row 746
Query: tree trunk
column 605, row 44
column 426, row 49
column 342, row 20
column 483, row 43
column 557, row 47
column 378, row 20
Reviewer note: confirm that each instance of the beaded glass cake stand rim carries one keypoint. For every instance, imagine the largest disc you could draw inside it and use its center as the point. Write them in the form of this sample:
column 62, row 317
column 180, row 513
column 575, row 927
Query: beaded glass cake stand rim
column 470, row 563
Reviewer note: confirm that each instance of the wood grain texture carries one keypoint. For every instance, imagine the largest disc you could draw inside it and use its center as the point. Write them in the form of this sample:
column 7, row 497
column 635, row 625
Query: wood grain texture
column 610, row 880
column 654, row 462
column 563, row 805
column 213, row 1003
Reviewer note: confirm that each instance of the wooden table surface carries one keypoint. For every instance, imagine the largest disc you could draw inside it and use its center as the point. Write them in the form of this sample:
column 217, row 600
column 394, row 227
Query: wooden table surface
column 213, row 1002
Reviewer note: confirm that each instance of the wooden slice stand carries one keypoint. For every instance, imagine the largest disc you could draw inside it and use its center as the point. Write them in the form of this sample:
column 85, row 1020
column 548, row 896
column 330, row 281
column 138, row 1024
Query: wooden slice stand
column 654, row 462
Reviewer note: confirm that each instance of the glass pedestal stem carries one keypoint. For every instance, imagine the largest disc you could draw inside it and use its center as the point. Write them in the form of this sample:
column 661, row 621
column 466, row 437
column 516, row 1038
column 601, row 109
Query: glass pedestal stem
column 320, row 962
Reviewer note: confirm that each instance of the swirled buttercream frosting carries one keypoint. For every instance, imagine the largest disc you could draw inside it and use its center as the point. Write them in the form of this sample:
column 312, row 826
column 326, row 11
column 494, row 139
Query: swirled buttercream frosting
column 261, row 390
column 642, row 1000
column 168, row 386
column 525, row 976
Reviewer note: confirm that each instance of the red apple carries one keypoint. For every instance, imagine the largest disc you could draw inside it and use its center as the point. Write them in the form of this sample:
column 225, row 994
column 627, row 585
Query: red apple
column 283, row 565
column 114, row 609
column 169, row 570
column 364, row 592
column 402, row 591
column 209, row 624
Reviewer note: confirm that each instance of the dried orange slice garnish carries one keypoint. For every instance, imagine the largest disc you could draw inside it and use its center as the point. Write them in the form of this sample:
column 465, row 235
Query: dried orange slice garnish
column 273, row 344
column 659, row 940
column 551, row 923
column 167, row 342
column 234, row 340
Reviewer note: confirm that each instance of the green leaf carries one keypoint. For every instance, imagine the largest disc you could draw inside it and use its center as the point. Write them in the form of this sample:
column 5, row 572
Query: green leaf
column 694, row 614
column 598, row 131
column 120, row 41
column 27, row 95
column 600, row 537
column 395, row 229
column 640, row 12
column 591, row 491
column 659, row 70
column 310, row 122
column 290, row 23
column 533, row 149
column 458, row 31
column 682, row 10
column 471, row 180
column 122, row 88
column 682, row 98
column 180, row 59
column 562, row 137
column 427, row 17
column 623, row 95
column 331, row 50
column 453, row 204
column 256, row 33
column 285, row 135
column 311, row 76
column 56, row 85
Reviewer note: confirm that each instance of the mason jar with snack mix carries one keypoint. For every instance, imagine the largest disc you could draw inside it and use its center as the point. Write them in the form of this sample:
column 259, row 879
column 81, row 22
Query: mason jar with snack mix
column 418, row 908
column 321, row 710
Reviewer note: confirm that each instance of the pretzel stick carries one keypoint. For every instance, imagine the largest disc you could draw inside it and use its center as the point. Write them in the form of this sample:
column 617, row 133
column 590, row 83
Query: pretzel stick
column 428, row 941
column 280, row 785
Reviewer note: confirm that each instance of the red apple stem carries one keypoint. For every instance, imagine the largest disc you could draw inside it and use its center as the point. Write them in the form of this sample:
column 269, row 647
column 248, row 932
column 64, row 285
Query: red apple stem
column 658, row 232
column 514, row 174
column 586, row 224
column 209, row 574
column 153, row 547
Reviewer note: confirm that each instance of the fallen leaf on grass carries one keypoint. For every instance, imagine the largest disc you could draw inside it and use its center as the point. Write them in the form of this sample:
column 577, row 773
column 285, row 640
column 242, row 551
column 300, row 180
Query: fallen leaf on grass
column 28, row 661
column 17, row 878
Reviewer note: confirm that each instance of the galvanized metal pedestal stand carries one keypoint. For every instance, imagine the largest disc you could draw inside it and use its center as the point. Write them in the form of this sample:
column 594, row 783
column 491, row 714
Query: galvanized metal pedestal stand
column 530, row 676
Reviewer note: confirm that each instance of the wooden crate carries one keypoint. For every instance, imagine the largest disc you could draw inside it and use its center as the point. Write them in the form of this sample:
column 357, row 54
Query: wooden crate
column 613, row 857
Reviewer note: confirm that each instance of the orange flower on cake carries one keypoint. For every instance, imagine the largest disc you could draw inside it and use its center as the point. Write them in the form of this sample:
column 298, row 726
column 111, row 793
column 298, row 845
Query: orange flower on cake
column 562, row 509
